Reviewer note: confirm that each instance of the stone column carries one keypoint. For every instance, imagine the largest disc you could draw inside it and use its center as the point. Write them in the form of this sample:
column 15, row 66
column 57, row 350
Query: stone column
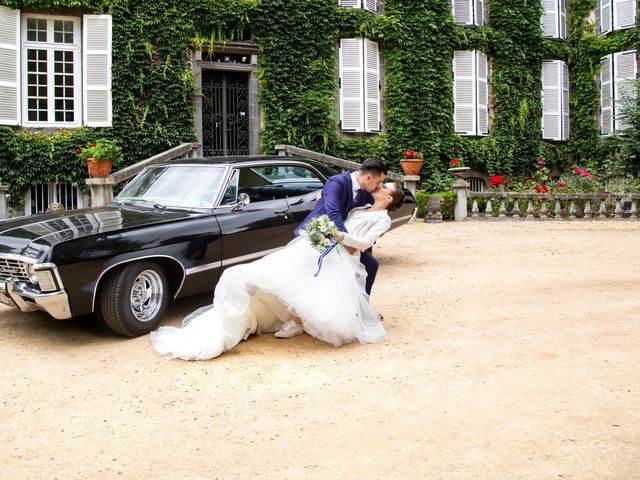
column 4, row 213
column 460, row 187
column 410, row 182
column 101, row 190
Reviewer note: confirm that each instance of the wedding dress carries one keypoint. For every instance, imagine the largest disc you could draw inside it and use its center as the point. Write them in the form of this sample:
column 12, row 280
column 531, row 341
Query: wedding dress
column 260, row 296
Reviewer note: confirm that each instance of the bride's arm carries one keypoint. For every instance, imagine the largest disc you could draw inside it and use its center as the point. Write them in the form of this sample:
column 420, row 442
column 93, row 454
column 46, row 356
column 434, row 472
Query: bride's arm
column 367, row 239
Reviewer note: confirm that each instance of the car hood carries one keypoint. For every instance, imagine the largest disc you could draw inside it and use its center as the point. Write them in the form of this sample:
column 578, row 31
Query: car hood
column 34, row 235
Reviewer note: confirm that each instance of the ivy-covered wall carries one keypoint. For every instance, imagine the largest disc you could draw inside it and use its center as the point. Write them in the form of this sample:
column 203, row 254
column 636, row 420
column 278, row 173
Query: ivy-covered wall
column 153, row 87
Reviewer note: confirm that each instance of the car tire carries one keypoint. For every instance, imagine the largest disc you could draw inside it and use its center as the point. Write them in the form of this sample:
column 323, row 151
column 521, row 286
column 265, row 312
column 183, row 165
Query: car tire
column 134, row 298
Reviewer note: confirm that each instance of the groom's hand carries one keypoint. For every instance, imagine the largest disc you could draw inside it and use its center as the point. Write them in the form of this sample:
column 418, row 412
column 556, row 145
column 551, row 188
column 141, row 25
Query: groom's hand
column 351, row 250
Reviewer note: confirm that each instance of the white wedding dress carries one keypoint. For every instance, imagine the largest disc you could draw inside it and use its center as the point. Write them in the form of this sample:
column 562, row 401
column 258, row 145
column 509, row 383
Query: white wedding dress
column 260, row 296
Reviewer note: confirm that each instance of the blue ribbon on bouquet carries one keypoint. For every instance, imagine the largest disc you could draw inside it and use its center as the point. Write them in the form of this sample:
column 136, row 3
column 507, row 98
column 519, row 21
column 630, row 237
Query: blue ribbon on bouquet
column 322, row 255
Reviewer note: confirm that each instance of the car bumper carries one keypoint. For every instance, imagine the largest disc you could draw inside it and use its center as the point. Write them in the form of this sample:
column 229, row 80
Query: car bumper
column 20, row 295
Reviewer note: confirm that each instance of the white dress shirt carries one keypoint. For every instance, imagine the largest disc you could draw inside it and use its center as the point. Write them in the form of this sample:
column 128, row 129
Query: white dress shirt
column 354, row 184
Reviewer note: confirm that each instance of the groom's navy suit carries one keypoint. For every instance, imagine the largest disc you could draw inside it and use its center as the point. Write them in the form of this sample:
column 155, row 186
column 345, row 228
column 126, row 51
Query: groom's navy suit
column 337, row 201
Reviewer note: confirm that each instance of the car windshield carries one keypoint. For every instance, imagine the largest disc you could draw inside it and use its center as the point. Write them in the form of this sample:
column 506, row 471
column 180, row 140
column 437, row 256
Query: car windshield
column 190, row 186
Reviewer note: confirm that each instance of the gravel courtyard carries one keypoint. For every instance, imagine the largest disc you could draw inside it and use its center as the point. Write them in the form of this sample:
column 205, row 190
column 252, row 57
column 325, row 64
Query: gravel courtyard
column 513, row 352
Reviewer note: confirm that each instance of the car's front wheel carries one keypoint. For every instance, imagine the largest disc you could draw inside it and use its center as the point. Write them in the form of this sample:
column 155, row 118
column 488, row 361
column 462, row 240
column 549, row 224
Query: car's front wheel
column 134, row 298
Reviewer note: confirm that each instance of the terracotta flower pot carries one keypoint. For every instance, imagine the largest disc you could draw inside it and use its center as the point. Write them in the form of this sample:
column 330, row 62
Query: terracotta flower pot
column 411, row 166
column 99, row 168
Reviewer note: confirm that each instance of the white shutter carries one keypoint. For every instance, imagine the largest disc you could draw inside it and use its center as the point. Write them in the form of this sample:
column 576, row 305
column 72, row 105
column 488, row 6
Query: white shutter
column 482, row 82
column 550, row 19
column 566, row 125
column 349, row 3
column 480, row 11
column 9, row 66
column 351, row 84
column 624, row 14
column 371, row 5
column 606, row 95
column 625, row 68
column 372, row 87
column 563, row 19
column 464, row 92
column 552, row 100
column 463, row 11
column 96, row 72
column 605, row 16
column 598, row 17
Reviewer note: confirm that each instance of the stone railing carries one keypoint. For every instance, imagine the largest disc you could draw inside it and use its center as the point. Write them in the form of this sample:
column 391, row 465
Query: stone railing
column 548, row 206
column 408, row 181
column 102, row 188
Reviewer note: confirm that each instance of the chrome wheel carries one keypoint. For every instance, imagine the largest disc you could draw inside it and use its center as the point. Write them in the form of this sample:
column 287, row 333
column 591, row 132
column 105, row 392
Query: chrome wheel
column 147, row 294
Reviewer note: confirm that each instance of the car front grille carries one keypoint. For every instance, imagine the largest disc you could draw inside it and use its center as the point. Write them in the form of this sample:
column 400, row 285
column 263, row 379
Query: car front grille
column 13, row 268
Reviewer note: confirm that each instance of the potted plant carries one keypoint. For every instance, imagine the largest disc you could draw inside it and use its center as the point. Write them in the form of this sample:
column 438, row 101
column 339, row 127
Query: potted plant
column 411, row 162
column 457, row 168
column 101, row 157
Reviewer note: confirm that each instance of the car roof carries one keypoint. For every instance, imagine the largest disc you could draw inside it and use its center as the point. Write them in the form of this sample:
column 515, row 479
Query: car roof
column 250, row 160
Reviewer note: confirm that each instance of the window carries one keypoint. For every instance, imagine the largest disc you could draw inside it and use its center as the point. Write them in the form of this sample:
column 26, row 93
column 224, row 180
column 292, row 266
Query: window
column 39, row 197
column 371, row 5
column 470, row 12
column 615, row 15
column 271, row 183
column 555, row 100
column 554, row 19
column 476, row 184
column 471, row 92
column 359, row 85
column 615, row 72
column 55, row 71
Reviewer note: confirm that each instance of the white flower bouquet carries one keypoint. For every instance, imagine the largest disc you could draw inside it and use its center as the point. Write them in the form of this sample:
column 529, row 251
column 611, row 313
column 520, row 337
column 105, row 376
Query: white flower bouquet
column 322, row 232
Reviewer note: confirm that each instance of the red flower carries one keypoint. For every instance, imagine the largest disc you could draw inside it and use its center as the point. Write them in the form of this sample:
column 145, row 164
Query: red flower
column 585, row 173
column 454, row 162
column 562, row 184
column 537, row 188
column 545, row 189
column 78, row 150
column 577, row 170
column 496, row 179
column 92, row 144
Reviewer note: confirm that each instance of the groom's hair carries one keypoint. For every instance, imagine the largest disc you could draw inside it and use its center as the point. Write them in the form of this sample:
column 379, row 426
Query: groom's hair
column 374, row 166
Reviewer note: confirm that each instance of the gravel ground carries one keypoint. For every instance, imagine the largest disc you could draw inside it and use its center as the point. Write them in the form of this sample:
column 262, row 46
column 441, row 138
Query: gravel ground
column 513, row 353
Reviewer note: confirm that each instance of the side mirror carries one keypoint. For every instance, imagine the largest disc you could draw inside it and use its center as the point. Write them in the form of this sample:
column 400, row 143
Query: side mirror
column 243, row 199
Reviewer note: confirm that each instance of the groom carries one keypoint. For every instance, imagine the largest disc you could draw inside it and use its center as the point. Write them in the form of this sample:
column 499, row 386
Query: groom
column 348, row 190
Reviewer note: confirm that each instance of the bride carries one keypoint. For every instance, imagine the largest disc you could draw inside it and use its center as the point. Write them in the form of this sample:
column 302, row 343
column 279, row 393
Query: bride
column 281, row 288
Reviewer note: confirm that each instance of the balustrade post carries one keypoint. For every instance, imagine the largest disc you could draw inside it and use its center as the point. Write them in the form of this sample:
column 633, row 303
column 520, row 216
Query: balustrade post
column 281, row 150
column 502, row 212
column 474, row 209
column 572, row 210
column 558, row 211
column 634, row 210
column 544, row 215
column 587, row 210
column 101, row 190
column 617, row 214
column 529, row 210
column 488, row 211
column 4, row 213
column 515, row 210
column 460, row 211
column 602, row 211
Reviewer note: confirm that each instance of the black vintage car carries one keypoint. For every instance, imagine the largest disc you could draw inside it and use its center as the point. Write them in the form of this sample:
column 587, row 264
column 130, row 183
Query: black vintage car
column 170, row 233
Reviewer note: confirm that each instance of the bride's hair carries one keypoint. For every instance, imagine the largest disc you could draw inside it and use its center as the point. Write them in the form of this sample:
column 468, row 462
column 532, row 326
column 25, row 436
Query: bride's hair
column 396, row 193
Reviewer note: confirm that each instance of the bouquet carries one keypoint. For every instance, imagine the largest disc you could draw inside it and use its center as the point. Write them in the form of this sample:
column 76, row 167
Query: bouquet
column 322, row 232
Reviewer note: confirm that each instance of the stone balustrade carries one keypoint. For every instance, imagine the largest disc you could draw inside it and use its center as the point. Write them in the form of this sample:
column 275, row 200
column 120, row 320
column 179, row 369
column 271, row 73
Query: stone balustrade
column 549, row 206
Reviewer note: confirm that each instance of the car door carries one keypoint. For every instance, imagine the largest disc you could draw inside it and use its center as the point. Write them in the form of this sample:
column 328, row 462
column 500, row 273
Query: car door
column 250, row 231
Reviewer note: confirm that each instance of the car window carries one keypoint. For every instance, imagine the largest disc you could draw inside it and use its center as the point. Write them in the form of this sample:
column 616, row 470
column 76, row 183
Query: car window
column 266, row 183
column 192, row 186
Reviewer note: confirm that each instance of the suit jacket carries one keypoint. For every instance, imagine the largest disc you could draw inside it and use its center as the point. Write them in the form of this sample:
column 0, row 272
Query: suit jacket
column 337, row 200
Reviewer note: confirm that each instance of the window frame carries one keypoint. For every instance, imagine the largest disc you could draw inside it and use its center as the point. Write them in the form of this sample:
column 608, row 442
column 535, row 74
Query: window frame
column 50, row 47
column 476, row 102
